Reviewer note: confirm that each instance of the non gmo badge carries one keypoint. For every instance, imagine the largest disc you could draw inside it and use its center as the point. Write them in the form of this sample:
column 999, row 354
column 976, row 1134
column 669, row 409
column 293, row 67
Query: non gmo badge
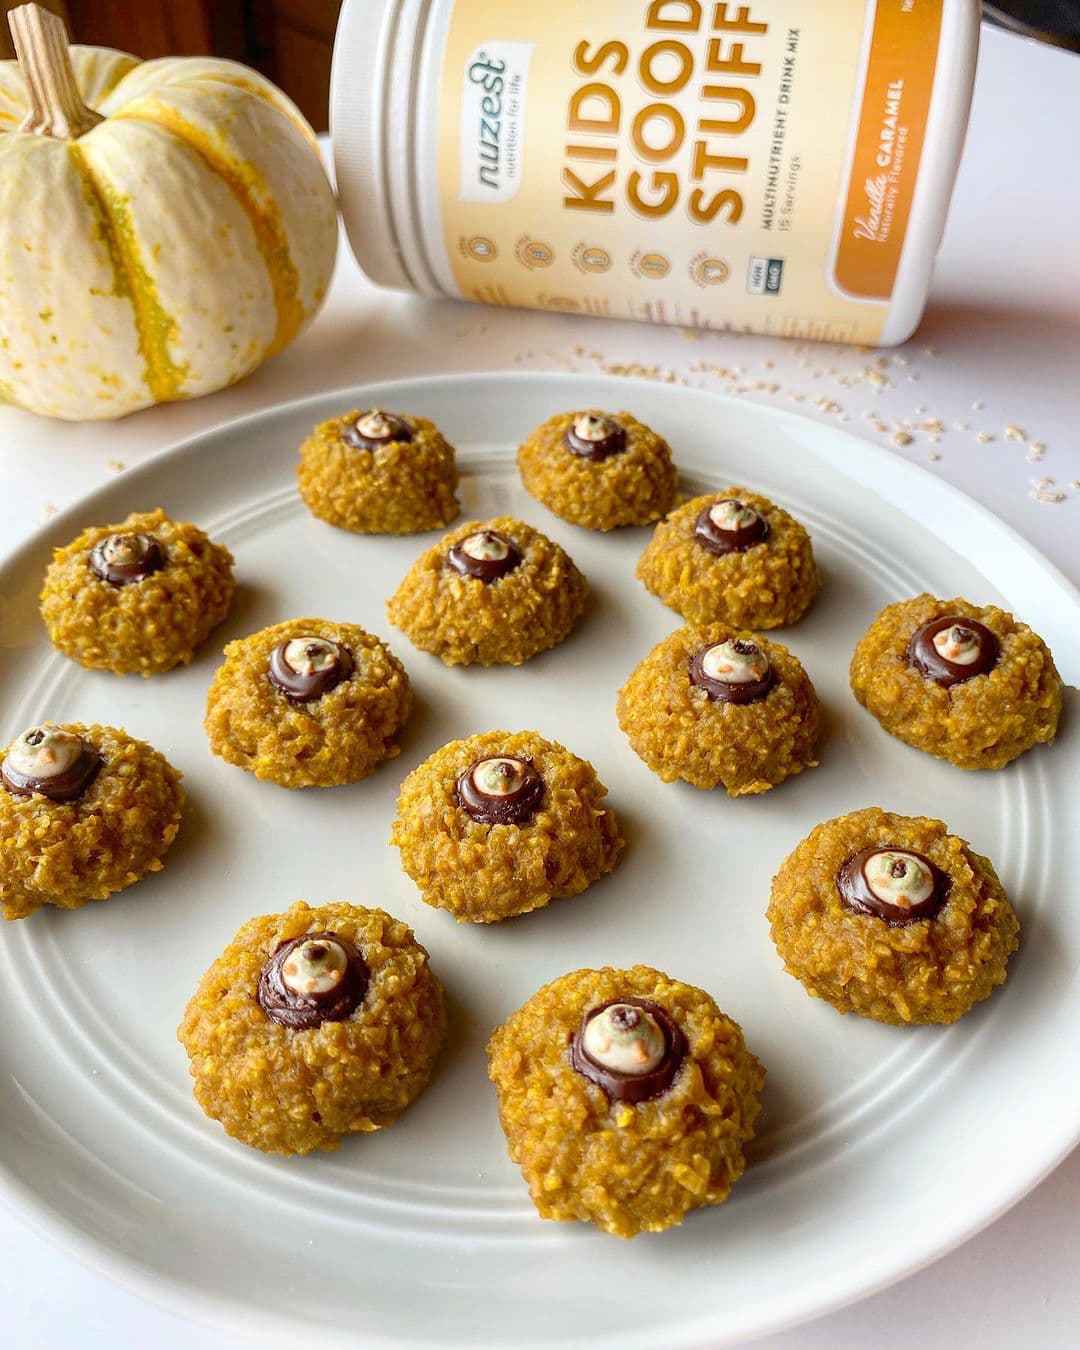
column 764, row 275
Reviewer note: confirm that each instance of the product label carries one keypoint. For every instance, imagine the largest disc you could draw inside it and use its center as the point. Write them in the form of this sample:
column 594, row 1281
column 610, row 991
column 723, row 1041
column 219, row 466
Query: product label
column 889, row 139
column 722, row 165
column 493, row 95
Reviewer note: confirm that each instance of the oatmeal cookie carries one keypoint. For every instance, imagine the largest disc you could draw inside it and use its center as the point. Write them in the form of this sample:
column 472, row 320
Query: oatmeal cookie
column 720, row 708
column 627, row 1098
column 893, row 918
column 376, row 472
column 84, row 812
column 491, row 592
column 965, row 683
column 600, row 470
column 731, row 555
column 312, row 1025
column 308, row 703
column 501, row 823
column 136, row 598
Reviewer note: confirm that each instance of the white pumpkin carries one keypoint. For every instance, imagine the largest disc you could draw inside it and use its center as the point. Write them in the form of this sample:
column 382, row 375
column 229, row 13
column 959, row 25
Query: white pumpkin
column 164, row 226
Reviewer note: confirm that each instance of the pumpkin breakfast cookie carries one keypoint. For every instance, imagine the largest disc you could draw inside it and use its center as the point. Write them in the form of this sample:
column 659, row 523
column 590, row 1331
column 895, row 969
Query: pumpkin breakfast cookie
column 136, row 598
column 377, row 472
column 627, row 1098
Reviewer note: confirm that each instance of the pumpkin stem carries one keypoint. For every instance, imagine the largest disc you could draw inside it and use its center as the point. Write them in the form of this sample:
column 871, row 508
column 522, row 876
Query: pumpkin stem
column 56, row 106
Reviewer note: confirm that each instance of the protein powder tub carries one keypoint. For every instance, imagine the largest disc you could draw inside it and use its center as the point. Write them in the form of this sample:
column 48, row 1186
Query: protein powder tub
column 777, row 166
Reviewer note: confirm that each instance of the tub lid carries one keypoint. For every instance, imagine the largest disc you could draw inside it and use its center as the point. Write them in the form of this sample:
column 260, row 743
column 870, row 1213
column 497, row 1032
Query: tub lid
column 361, row 116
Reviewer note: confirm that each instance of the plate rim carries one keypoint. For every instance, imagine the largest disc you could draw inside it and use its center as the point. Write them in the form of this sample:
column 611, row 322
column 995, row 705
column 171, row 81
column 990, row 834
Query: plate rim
column 186, row 1299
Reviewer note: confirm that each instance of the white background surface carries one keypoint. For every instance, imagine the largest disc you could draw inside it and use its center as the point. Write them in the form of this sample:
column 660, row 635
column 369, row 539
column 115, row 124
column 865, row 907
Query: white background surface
column 1003, row 331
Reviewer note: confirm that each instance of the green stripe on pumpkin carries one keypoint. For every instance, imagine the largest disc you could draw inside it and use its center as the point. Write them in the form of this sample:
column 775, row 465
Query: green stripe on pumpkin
column 246, row 186
column 156, row 330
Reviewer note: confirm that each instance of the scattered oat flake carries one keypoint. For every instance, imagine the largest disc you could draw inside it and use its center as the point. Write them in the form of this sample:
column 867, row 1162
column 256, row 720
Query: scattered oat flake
column 1075, row 483
column 1014, row 433
column 48, row 511
column 1047, row 495
column 961, row 426
column 933, row 424
column 984, row 437
column 929, row 351
column 933, row 454
column 902, row 438
column 977, row 405
column 1038, row 446
column 663, row 374
column 919, row 410
column 115, row 465
column 878, row 425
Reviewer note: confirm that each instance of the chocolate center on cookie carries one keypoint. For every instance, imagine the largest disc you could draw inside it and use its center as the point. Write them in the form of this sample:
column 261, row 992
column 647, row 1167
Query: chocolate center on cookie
column 50, row 761
column 486, row 555
column 951, row 650
column 311, row 980
column 305, row 668
column 736, row 671
column 502, row 790
column 730, row 526
column 376, row 428
column 594, row 436
column 893, row 884
column 121, row 559
column 630, row 1047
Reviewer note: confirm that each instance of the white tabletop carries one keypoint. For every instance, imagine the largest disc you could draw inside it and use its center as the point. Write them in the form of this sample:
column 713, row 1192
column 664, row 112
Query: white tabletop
column 998, row 354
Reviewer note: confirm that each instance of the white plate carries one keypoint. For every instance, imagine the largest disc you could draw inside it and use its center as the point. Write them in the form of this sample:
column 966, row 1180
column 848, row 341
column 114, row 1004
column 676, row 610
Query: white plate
column 879, row 1148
